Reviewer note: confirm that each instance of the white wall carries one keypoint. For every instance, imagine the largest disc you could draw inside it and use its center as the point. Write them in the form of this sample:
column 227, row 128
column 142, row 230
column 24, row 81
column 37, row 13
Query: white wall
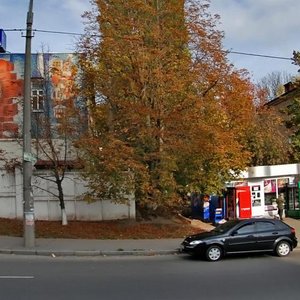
column 7, row 195
column 46, row 206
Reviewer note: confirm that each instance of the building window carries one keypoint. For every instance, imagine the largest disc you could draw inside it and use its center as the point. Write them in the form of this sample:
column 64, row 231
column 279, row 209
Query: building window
column 273, row 187
column 256, row 195
column 37, row 99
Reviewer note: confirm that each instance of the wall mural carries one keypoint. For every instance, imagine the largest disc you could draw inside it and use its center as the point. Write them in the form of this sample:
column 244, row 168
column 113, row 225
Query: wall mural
column 56, row 71
column 11, row 90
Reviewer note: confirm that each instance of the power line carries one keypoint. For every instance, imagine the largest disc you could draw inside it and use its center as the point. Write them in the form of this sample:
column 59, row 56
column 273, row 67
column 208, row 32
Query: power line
column 57, row 32
column 45, row 31
column 259, row 55
column 227, row 51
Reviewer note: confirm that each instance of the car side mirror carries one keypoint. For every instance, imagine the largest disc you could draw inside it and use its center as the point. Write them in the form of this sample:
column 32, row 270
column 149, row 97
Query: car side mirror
column 234, row 233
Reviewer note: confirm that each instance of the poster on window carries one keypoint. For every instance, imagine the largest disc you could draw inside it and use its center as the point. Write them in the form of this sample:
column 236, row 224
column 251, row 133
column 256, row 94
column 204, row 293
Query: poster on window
column 270, row 186
column 282, row 182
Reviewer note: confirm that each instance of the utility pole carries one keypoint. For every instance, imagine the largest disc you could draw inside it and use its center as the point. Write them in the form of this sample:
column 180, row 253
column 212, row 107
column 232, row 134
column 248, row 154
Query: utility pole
column 28, row 207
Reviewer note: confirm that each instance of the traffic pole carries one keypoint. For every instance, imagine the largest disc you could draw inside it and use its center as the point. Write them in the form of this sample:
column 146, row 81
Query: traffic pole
column 28, row 205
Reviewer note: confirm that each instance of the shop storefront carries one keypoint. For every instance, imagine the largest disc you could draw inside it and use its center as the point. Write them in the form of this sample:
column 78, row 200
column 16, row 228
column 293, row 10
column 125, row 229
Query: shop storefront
column 293, row 200
column 266, row 183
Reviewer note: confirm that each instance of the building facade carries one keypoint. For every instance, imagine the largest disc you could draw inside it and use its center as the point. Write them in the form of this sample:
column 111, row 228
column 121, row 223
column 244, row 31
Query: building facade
column 53, row 92
column 266, row 183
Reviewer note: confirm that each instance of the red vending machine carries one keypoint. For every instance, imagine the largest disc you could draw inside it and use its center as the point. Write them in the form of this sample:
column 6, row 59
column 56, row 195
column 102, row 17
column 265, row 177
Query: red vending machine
column 238, row 203
column 243, row 196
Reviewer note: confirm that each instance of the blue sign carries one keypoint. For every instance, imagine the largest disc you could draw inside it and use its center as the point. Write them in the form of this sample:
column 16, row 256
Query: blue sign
column 2, row 41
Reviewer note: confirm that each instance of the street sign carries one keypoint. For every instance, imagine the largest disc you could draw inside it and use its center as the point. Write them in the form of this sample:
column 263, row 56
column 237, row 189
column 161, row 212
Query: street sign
column 2, row 41
column 30, row 157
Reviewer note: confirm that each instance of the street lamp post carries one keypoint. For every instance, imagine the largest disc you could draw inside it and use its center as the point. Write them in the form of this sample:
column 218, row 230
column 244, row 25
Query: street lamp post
column 28, row 207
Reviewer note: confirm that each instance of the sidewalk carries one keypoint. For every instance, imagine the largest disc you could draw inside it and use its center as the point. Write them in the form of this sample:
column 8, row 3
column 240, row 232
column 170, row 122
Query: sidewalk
column 295, row 223
column 79, row 247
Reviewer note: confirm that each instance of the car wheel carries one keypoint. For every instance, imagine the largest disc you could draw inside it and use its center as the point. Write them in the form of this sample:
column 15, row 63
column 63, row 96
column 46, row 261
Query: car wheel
column 283, row 248
column 214, row 253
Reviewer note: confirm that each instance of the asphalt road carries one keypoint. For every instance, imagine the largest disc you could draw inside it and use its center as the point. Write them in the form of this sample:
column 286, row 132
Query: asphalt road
column 154, row 277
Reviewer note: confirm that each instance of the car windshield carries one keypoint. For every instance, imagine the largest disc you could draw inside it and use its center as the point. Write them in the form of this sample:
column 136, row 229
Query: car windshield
column 226, row 226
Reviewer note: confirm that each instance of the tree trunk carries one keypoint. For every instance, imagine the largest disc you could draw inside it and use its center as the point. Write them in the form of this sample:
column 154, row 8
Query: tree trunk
column 64, row 220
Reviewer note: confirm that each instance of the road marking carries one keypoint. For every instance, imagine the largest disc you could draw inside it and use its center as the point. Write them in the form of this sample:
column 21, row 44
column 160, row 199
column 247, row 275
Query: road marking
column 16, row 277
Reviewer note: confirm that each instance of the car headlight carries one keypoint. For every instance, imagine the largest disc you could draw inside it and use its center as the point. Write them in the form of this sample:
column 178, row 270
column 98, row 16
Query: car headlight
column 194, row 243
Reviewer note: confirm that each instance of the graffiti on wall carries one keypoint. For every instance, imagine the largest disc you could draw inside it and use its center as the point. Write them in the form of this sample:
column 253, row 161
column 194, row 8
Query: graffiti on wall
column 60, row 91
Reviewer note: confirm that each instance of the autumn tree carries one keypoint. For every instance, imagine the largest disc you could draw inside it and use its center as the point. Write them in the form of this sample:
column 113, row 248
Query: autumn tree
column 293, row 119
column 142, row 79
column 168, row 112
column 266, row 136
column 293, row 124
column 223, row 109
column 296, row 58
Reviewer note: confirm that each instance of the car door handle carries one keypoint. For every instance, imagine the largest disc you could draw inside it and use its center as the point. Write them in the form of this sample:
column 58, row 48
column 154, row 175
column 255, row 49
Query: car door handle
column 275, row 232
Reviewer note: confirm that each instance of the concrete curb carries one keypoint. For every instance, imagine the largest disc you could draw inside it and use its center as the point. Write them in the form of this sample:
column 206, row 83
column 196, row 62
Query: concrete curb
column 94, row 253
column 83, row 253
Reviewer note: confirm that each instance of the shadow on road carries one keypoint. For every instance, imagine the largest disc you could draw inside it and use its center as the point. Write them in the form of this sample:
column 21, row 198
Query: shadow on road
column 228, row 257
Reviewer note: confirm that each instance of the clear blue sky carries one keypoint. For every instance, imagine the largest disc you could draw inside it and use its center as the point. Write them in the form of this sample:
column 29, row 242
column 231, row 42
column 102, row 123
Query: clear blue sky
column 269, row 27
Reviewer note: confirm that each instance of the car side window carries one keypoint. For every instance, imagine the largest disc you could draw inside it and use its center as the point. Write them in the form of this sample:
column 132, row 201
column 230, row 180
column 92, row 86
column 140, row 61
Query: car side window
column 265, row 226
column 247, row 228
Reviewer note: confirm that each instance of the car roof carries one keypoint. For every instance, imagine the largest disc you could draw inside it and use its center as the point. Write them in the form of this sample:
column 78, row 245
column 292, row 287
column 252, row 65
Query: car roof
column 260, row 219
column 235, row 222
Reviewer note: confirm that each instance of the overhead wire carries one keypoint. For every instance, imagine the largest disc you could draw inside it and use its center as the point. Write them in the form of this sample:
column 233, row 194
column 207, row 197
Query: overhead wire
column 259, row 55
column 45, row 31
column 227, row 51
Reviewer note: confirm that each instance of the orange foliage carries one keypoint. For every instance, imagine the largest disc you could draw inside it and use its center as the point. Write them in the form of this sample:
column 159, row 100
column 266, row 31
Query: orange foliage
column 173, row 112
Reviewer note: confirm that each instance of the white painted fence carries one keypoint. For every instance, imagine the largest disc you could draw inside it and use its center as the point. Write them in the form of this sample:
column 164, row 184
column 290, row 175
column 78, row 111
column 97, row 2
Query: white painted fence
column 46, row 206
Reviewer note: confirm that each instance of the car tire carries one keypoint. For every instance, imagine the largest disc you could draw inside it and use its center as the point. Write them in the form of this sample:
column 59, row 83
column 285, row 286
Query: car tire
column 283, row 248
column 214, row 253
